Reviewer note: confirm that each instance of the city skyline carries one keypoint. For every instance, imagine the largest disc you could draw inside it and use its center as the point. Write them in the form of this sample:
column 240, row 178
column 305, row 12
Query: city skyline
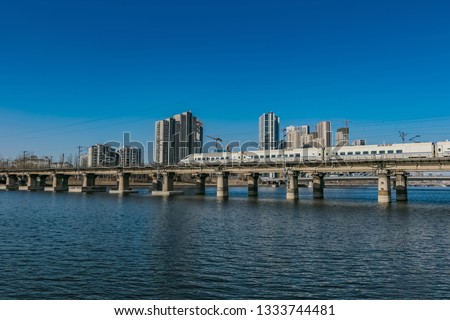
column 82, row 74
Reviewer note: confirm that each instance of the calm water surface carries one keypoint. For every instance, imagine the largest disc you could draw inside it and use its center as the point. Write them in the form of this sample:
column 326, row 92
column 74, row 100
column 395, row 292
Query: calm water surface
column 101, row 246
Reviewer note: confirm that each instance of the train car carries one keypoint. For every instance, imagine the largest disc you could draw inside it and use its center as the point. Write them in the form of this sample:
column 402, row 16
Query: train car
column 302, row 155
column 283, row 155
column 442, row 149
column 383, row 151
column 256, row 156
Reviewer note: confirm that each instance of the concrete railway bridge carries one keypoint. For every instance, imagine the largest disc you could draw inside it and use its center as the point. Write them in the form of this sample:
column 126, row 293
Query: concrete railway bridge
column 162, row 177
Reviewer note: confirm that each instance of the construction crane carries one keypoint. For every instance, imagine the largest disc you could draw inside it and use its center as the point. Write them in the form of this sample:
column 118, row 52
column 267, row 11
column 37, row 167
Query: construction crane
column 216, row 139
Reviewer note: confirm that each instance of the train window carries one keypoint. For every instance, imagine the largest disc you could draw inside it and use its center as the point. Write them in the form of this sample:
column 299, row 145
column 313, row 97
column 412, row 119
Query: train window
column 382, row 152
column 439, row 150
column 365, row 152
column 222, row 158
column 342, row 153
column 350, row 153
column 357, row 152
column 373, row 152
column 297, row 155
column 291, row 155
column 227, row 158
column 267, row 156
column 390, row 151
column 399, row 151
column 273, row 156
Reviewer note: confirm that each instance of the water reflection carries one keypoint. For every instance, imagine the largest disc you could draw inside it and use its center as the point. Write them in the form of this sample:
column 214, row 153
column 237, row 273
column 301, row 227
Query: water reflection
column 77, row 246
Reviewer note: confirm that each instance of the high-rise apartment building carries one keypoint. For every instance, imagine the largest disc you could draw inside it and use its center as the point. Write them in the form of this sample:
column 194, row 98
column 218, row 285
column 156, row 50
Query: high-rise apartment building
column 177, row 137
column 269, row 131
column 296, row 137
column 323, row 130
column 130, row 157
column 342, row 137
column 359, row 142
column 101, row 155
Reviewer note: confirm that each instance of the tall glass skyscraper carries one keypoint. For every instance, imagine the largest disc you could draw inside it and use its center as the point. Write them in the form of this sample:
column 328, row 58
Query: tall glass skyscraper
column 269, row 131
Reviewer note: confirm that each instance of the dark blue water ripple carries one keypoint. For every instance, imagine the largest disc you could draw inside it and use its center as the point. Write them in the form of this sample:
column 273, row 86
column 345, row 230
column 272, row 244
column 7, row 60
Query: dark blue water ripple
column 78, row 246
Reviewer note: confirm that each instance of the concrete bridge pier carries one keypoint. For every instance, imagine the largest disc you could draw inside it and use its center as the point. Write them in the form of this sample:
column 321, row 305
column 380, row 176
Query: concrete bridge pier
column 42, row 179
column 156, row 182
column 60, row 183
column 252, row 181
column 401, row 186
column 167, row 185
column 11, row 182
column 33, row 184
column 89, row 183
column 222, row 184
column 384, row 186
column 168, row 181
column 200, row 182
column 123, row 182
column 318, row 185
column 292, row 186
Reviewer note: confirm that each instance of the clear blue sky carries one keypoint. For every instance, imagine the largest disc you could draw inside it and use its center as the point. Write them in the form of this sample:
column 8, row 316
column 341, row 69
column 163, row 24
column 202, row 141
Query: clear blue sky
column 82, row 72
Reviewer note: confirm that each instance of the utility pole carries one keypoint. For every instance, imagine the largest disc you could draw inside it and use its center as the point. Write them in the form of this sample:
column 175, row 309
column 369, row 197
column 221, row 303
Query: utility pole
column 79, row 156
column 24, row 159
column 346, row 123
column 403, row 136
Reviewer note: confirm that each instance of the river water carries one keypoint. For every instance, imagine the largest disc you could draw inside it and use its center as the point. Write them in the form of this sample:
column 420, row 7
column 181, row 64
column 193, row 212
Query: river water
column 101, row 246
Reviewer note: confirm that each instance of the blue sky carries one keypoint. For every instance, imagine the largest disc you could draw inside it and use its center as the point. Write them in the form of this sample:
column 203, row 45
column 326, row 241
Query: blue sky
column 83, row 72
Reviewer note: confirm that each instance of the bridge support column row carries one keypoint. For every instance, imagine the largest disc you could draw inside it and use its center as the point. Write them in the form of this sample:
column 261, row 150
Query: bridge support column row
column 292, row 186
column 222, row 184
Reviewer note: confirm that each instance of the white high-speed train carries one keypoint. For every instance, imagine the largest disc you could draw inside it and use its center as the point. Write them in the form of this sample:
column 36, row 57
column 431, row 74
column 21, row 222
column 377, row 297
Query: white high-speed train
column 364, row 152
